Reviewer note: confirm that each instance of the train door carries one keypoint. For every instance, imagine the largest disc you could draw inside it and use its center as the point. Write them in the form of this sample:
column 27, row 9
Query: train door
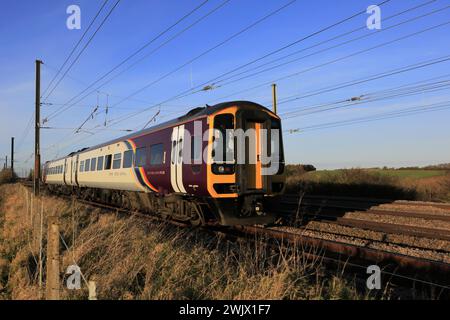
column 176, row 161
column 253, row 150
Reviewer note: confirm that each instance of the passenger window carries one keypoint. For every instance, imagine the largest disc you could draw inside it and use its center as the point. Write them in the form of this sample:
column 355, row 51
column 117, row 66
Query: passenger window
column 117, row 160
column 82, row 166
column 156, row 154
column 93, row 164
column 100, row 163
column 128, row 159
column 87, row 164
column 141, row 157
column 108, row 159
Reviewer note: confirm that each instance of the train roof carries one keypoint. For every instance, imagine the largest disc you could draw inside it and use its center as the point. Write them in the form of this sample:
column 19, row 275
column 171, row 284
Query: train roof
column 194, row 113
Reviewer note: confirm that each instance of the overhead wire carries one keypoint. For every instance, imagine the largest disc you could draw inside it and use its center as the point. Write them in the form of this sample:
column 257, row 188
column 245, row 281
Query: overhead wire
column 125, row 117
column 291, row 75
column 231, row 37
column 234, row 35
column 82, row 49
column 367, row 98
column 444, row 105
column 75, row 47
column 131, row 56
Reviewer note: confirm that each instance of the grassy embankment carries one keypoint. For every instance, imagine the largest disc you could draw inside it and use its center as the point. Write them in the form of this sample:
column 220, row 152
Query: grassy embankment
column 410, row 184
column 132, row 258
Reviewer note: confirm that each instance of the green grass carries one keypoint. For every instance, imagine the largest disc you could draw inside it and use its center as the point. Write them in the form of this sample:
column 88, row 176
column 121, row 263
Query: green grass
column 413, row 174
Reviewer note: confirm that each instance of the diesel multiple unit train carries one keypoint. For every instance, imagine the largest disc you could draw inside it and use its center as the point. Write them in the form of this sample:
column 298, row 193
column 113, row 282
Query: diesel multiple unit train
column 152, row 170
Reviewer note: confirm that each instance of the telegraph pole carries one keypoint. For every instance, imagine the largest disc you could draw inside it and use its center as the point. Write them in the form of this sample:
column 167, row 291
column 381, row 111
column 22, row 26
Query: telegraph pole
column 6, row 162
column 12, row 158
column 274, row 97
column 37, row 154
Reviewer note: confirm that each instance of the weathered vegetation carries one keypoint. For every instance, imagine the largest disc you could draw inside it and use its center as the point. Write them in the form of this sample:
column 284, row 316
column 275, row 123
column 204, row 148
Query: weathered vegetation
column 428, row 184
column 133, row 258
column 7, row 176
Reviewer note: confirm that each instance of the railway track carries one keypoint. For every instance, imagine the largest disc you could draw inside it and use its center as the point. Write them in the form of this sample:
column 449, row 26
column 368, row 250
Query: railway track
column 403, row 233
column 414, row 256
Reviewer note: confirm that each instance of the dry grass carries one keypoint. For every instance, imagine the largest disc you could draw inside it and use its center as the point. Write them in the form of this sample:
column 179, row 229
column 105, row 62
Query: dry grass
column 430, row 189
column 367, row 183
column 6, row 176
column 132, row 258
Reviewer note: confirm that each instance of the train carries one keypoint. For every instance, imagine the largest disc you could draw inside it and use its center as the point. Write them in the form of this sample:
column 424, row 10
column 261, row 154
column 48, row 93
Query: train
column 219, row 164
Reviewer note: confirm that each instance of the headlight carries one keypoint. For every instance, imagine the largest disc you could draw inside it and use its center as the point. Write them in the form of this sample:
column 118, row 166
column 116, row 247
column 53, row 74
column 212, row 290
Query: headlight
column 222, row 168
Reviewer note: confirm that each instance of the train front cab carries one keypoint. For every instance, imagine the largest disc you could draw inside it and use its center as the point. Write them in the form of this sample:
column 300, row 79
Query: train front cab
column 236, row 181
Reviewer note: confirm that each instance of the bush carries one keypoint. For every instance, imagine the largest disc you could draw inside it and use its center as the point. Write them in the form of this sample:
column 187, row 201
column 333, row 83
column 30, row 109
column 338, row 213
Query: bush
column 350, row 183
column 367, row 183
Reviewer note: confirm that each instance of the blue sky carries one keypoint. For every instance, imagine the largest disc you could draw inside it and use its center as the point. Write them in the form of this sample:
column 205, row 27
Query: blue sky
column 37, row 29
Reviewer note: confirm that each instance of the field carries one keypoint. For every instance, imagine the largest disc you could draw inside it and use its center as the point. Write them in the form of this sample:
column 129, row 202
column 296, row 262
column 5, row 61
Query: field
column 413, row 174
column 132, row 258
column 408, row 173
column 407, row 184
